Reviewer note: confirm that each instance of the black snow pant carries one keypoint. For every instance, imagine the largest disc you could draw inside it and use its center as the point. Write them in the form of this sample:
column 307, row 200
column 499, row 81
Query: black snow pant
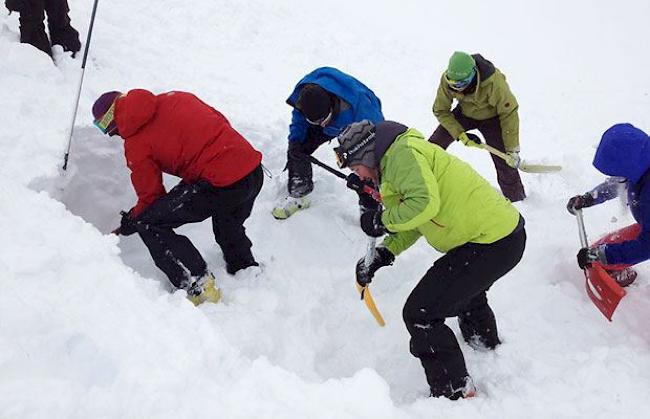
column 300, row 172
column 32, row 27
column 508, row 177
column 455, row 286
column 187, row 203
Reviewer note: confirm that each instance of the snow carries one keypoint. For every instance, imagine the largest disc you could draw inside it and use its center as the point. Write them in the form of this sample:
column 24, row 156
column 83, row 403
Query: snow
column 90, row 328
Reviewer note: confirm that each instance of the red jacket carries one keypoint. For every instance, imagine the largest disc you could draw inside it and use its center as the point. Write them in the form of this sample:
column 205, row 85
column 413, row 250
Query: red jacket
column 178, row 134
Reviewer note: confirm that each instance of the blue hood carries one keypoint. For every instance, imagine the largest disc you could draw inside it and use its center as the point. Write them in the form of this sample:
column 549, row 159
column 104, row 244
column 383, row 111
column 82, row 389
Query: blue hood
column 337, row 82
column 623, row 151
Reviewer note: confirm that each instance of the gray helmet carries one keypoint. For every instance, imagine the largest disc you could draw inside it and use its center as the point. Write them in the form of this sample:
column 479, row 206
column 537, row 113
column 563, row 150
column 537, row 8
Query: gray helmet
column 357, row 145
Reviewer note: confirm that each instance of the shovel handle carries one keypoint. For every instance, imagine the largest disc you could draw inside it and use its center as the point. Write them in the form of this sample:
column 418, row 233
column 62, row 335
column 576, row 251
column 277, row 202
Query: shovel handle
column 581, row 228
column 370, row 252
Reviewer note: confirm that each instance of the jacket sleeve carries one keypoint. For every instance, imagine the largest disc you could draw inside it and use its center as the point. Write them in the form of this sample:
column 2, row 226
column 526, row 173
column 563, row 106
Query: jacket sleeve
column 298, row 127
column 413, row 180
column 442, row 110
column 607, row 190
column 638, row 250
column 508, row 110
column 146, row 178
column 399, row 242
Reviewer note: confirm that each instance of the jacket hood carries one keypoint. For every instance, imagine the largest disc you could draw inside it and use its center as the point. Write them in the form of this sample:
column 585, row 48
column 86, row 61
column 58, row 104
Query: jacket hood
column 334, row 81
column 385, row 134
column 624, row 150
column 134, row 111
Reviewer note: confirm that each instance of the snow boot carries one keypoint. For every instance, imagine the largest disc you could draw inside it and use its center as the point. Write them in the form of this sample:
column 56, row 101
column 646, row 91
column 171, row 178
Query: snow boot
column 234, row 267
column 289, row 206
column 465, row 390
column 203, row 290
column 624, row 277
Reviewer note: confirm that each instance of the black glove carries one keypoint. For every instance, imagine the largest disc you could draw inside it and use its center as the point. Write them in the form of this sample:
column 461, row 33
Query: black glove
column 127, row 225
column 354, row 182
column 579, row 202
column 587, row 255
column 366, row 201
column 371, row 223
column 383, row 257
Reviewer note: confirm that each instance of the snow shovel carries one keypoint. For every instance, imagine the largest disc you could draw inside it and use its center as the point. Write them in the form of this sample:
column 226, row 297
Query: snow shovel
column 601, row 288
column 365, row 289
column 523, row 166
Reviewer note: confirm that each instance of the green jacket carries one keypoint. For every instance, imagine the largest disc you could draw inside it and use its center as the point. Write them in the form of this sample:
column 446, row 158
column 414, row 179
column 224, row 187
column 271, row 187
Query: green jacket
column 490, row 98
column 428, row 192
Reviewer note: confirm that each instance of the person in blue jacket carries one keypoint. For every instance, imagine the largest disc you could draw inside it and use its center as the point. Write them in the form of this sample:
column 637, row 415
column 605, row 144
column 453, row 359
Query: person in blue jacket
column 623, row 154
column 324, row 102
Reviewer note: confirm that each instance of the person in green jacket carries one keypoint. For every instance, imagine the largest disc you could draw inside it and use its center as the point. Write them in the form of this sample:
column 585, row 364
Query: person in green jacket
column 486, row 103
column 428, row 192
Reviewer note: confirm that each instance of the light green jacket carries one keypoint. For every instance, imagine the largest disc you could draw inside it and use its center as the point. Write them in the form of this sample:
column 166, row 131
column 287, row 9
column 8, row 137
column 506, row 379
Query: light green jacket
column 491, row 98
column 428, row 192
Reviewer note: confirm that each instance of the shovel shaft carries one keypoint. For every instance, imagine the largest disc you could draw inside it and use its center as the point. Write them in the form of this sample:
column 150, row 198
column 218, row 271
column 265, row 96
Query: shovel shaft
column 581, row 229
column 523, row 166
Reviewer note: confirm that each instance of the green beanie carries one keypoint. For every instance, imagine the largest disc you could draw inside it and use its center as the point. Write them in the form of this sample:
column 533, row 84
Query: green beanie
column 461, row 65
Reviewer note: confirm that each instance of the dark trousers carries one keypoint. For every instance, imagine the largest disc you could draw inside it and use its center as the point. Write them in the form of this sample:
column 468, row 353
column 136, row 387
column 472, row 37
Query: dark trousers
column 32, row 27
column 187, row 203
column 507, row 177
column 455, row 286
column 300, row 172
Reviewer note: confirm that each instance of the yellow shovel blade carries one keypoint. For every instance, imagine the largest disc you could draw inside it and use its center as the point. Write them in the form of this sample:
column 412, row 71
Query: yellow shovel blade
column 370, row 303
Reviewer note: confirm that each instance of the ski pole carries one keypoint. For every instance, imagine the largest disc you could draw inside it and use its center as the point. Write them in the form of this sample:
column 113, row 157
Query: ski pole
column 523, row 166
column 79, row 84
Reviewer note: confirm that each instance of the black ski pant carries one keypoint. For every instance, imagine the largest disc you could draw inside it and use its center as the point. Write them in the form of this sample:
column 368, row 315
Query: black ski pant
column 507, row 177
column 300, row 172
column 187, row 203
column 455, row 286
column 32, row 27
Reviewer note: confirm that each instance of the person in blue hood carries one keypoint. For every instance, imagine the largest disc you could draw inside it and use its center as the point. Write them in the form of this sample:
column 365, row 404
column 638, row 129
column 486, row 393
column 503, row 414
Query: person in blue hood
column 324, row 102
column 624, row 155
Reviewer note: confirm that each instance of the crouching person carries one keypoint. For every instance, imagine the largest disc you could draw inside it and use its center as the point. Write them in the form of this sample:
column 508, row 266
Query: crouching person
column 178, row 134
column 428, row 192
column 623, row 155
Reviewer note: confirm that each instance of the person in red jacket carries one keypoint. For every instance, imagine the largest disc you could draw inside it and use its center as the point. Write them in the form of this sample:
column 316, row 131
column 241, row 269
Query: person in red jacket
column 221, row 175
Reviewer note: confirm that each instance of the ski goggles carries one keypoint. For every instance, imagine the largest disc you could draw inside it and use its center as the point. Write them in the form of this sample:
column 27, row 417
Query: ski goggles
column 459, row 85
column 322, row 122
column 104, row 124
column 341, row 157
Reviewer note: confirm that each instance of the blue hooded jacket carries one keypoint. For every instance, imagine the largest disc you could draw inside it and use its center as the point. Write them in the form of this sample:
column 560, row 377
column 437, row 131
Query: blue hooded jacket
column 363, row 102
column 624, row 151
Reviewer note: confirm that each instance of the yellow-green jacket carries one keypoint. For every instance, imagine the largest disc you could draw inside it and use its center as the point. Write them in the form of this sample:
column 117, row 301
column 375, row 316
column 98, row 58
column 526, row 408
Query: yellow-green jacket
column 428, row 192
column 491, row 97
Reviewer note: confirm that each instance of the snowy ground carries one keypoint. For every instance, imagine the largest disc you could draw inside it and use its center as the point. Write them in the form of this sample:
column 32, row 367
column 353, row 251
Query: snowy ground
column 89, row 328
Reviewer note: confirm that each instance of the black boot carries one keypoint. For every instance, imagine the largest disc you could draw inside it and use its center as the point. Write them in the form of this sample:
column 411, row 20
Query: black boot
column 237, row 265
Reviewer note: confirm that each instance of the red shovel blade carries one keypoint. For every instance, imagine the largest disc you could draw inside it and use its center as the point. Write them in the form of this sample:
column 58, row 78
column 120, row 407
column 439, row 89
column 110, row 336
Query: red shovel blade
column 603, row 291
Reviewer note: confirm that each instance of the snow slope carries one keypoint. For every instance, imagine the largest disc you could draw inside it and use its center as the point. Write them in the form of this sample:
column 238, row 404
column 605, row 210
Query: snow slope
column 89, row 328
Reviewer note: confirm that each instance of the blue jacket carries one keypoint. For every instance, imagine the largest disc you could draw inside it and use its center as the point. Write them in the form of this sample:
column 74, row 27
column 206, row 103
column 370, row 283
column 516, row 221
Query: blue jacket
column 624, row 152
column 363, row 104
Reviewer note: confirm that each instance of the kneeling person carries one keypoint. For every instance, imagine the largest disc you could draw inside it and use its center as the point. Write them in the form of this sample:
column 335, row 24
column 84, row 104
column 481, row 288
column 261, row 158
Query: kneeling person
column 178, row 134
column 428, row 192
